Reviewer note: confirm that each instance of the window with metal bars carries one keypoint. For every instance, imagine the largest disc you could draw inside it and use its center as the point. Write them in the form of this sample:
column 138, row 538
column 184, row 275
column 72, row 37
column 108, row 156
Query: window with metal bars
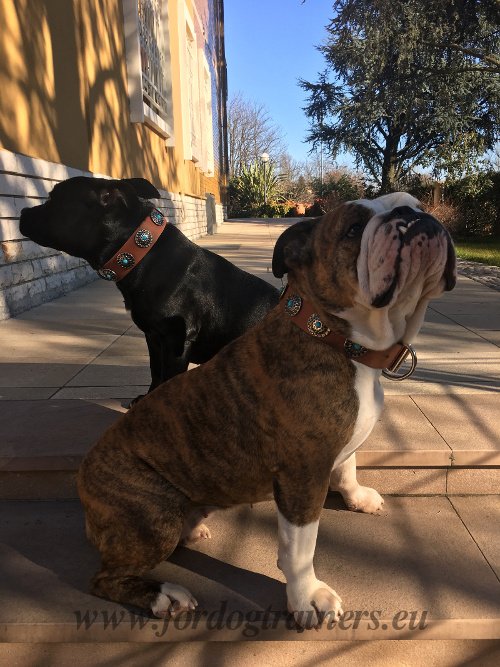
column 148, row 64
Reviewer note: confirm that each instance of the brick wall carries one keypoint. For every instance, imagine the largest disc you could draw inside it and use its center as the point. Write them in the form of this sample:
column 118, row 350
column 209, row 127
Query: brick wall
column 31, row 275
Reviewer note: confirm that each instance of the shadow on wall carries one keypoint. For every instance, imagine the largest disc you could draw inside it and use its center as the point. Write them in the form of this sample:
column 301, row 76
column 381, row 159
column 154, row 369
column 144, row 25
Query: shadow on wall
column 64, row 83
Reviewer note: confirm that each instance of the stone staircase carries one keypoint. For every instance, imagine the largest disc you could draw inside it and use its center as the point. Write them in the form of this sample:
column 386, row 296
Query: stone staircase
column 426, row 569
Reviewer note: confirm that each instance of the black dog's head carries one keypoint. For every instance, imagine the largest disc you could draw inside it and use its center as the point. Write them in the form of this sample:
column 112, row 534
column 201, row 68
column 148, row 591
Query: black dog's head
column 83, row 215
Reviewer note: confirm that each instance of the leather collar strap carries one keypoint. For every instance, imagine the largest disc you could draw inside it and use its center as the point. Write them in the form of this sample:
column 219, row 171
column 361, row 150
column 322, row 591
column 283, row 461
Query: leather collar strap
column 135, row 248
column 302, row 314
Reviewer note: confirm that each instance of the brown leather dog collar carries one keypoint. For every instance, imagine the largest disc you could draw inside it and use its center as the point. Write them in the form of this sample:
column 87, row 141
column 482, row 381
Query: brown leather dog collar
column 135, row 248
column 389, row 361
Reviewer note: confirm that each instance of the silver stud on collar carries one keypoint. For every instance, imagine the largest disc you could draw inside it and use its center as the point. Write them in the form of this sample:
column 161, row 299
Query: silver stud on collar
column 354, row 350
column 157, row 217
column 316, row 327
column 293, row 304
column 125, row 260
column 107, row 274
column 143, row 238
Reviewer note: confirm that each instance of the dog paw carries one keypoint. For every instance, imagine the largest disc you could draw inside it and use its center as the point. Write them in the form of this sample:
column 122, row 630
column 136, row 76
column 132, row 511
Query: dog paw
column 364, row 499
column 199, row 532
column 172, row 600
column 313, row 604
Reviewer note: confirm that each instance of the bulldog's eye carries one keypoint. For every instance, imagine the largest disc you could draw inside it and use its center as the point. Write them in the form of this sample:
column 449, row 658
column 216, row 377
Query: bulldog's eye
column 354, row 231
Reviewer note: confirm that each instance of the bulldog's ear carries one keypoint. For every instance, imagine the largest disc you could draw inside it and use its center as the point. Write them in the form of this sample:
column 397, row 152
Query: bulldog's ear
column 143, row 188
column 293, row 247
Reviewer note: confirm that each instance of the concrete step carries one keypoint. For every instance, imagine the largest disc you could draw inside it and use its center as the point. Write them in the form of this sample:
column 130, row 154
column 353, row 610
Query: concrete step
column 419, row 446
column 454, row 653
column 425, row 569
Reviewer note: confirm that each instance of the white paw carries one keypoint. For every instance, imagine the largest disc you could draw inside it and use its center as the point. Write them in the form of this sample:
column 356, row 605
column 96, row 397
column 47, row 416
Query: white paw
column 313, row 603
column 364, row 499
column 199, row 532
column 173, row 600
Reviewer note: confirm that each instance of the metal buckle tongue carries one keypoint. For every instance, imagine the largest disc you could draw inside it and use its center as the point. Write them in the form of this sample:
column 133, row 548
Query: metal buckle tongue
column 391, row 373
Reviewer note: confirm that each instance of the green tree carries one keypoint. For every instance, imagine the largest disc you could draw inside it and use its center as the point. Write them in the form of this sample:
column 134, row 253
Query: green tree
column 414, row 84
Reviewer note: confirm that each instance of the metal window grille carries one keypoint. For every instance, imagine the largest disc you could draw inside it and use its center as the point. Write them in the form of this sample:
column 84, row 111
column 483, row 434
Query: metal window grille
column 209, row 140
column 153, row 48
column 193, row 90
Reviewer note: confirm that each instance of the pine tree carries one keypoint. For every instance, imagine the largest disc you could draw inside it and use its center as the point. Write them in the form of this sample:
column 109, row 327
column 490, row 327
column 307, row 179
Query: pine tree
column 408, row 83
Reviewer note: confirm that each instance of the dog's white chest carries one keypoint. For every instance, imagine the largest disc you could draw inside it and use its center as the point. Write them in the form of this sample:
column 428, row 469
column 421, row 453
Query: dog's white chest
column 371, row 399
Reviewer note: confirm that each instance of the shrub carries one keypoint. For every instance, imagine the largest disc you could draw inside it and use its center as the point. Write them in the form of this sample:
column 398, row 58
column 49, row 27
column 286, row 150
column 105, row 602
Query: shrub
column 246, row 191
column 273, row 210
column 420, row 186
column 477, row 199
column 448, row 215
column 338, row 186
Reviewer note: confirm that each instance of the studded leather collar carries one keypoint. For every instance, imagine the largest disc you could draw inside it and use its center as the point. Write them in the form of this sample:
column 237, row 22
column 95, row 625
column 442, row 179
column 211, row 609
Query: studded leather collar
column 135, row 248
column 389, row 361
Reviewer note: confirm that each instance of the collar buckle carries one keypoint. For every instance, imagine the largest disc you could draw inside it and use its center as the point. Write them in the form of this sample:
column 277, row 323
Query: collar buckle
column 391, row 372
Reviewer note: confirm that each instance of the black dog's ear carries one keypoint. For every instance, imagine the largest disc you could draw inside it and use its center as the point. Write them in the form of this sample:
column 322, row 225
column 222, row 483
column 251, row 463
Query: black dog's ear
column 126, row 191
column 293, row 247
column 143, row 188
column 111, row 195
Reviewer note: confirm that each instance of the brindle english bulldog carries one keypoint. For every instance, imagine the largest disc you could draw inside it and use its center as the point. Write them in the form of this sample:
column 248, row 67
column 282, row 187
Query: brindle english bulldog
column 277, row 413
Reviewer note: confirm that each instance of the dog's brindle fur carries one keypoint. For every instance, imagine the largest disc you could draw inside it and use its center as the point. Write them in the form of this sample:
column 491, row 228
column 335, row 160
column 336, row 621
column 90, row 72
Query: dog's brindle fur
column 231, row 431
column 188, row 301
column 266, row 417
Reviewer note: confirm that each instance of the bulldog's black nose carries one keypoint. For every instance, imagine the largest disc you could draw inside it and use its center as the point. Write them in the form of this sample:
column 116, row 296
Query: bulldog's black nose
column 411, row 222
column 407, row 214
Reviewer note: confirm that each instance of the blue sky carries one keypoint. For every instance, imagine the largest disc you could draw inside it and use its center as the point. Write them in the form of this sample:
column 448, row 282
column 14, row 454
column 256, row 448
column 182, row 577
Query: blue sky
column 270, row 44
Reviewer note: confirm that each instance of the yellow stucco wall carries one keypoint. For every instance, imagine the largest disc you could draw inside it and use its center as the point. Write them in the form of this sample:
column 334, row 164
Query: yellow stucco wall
column 63, row 94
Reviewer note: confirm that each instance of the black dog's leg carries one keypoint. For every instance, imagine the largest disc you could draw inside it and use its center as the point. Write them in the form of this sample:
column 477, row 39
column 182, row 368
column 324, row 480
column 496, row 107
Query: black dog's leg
column 169, row 352
column 155, row 359
column 168, row 356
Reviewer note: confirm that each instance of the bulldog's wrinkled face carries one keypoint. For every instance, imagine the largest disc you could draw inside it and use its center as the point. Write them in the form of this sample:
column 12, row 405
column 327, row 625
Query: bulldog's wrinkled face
column 406, row 258
column 402, row 250
column 377, row 272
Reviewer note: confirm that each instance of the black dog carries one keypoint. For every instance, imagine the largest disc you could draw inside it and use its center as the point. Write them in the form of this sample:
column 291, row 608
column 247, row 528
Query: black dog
column 188, row 301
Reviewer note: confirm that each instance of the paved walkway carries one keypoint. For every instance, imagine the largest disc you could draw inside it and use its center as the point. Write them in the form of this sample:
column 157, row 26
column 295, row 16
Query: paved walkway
column 483, row 273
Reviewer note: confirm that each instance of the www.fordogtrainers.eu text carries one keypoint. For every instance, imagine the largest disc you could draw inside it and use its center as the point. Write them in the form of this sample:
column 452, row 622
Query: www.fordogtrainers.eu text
column 250, row 623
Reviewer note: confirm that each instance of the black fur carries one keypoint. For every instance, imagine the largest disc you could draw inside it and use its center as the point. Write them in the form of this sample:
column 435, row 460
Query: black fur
column 188, row 301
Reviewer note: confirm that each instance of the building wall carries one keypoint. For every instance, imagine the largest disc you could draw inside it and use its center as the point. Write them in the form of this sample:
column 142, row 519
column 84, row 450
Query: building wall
column 30, row 274
column 64, row 110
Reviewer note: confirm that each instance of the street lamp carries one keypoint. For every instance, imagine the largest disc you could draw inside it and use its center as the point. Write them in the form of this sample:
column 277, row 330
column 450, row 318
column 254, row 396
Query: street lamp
column 265, row 159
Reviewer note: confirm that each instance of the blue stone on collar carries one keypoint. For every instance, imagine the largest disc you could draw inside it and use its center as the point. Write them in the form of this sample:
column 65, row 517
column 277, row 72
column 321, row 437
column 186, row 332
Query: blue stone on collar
column 293, row 304
column 125, row 260
column 354, row 350
column 316, row 327
column 143, row 238
column 107, row 274
column 157, row 217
